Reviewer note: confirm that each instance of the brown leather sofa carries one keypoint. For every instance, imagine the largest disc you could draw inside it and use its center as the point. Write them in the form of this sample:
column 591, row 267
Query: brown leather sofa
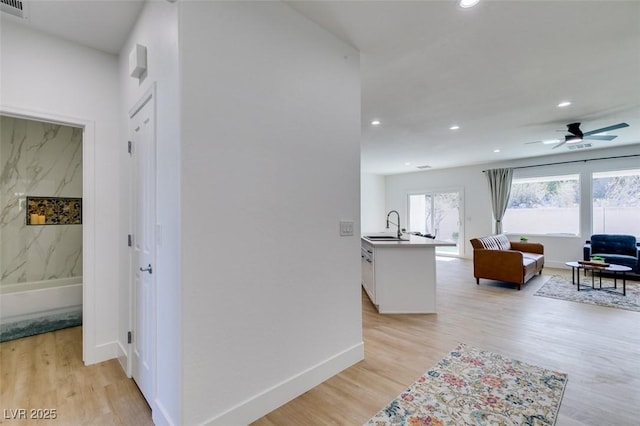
column 497, row 258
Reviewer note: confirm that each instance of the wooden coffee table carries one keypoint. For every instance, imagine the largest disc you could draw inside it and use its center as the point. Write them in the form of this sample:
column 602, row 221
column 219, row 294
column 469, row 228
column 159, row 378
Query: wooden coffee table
column 575, row 276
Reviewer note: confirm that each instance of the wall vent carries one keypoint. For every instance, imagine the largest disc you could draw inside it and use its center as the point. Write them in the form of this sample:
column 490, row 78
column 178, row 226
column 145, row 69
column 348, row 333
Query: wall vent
column 579, row 146
column 423, row 167
column 14, row 7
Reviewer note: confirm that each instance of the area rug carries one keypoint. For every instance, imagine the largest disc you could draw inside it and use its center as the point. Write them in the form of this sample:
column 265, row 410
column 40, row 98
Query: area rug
column 45, row 324
column 475, row 387
column 560, row 288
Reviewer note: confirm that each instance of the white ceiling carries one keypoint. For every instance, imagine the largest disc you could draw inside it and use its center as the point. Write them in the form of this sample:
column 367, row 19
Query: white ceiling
column 100, row 24
column 497, row 70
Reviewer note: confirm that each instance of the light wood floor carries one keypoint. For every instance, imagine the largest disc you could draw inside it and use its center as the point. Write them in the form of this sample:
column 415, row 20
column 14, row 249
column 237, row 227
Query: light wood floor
column 46, row 372
column 599, row 348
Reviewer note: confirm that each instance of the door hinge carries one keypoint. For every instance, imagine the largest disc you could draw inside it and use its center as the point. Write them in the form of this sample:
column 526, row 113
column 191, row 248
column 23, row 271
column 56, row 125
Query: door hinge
column 129, row 240
column 129, row 338
column 129, row 146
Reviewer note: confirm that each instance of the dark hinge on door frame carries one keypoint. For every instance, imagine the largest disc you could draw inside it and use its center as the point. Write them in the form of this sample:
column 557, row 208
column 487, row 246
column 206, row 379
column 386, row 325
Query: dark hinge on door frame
column 129, row 146
column 129, row 240
column 129, row 338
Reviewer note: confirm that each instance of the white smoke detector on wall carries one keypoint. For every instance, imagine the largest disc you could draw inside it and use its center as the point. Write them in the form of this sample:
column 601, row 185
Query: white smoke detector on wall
column 138, row 61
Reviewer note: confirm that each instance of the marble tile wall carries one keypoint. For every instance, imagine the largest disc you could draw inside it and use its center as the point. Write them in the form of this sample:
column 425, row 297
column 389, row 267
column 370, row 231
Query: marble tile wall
column 43, row 160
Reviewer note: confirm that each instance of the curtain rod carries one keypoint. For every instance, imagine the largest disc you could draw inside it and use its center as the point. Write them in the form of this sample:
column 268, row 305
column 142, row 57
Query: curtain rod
column 575, row 161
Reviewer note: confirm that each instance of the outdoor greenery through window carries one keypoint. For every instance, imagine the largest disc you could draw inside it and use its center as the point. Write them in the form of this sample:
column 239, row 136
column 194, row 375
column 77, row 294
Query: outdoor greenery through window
column 547, row 205
column 616, row 202
column 438, row 214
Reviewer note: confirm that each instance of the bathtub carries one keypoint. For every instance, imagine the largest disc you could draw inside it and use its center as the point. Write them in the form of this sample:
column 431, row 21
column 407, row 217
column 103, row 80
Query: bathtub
column 29, row 300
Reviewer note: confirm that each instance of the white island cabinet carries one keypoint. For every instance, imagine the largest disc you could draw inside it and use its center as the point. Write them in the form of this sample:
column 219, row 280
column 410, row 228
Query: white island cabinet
column 400, row 276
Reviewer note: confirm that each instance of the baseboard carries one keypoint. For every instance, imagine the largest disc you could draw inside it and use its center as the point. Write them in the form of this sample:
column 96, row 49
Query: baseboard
column 122, row 358
column 101, row 353
column 272, row 398
column 160, row 416
column 554, row 265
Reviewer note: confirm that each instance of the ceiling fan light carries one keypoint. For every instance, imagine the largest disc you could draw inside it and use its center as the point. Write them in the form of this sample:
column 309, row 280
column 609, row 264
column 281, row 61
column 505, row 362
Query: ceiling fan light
column 465, row 4
column 574, row 139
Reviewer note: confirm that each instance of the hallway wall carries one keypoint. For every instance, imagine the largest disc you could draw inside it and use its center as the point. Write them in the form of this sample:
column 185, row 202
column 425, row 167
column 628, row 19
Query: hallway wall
column 47, row 76
column 157, row 30
column 270, row 156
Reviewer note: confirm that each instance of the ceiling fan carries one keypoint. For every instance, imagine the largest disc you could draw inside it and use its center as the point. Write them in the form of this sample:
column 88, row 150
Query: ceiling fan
column 576, row 135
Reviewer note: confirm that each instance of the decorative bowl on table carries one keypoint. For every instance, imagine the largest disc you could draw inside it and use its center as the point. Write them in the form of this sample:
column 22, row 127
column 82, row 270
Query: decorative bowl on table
column 595, row 262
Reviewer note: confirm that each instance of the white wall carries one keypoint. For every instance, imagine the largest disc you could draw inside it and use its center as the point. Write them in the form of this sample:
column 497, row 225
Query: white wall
column 270, row 165
column 45, row 76
column 477, row 205
column 157, row 29
column 372, row 203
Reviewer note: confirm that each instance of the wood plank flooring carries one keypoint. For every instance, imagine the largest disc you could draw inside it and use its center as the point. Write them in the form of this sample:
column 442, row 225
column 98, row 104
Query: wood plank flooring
column 46, row 372
column 599, row 348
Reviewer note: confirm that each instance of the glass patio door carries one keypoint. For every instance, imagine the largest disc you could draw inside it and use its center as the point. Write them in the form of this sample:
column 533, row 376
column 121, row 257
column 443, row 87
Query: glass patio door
column 437, row 213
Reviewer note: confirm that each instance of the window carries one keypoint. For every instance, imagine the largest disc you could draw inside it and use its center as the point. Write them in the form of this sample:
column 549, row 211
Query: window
column 616, row 202
column 438, row 214
column 544, row 205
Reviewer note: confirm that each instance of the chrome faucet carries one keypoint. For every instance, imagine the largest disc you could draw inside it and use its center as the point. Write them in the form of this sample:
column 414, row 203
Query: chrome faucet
column 397, row 224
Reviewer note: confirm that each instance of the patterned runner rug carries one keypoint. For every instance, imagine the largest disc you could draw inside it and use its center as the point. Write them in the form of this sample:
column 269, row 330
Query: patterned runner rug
column 475, row 387
column 560, row 288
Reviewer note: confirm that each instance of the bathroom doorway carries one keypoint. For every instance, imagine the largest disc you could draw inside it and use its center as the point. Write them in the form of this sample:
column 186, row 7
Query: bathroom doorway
column 41, row 187
column 89, row 352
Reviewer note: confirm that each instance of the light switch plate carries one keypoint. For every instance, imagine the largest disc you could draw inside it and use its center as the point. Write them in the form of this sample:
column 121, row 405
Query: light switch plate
column 346, row 228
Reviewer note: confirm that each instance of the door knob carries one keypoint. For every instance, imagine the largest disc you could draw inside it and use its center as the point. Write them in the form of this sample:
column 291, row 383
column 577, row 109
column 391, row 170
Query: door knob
column 147, row 269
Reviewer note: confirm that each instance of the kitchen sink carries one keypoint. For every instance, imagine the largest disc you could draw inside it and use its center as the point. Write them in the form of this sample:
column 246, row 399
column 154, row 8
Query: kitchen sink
column 384, row 238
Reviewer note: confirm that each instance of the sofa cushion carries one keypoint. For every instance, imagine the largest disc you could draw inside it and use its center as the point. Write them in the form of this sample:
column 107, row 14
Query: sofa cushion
column 537, row 258
column 613, row 244
column 619, row 259
column 529, row 265
column 495, row 242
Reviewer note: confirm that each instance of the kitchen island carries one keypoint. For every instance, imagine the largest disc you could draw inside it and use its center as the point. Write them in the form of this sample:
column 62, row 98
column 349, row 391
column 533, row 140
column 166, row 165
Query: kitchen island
column 400, row 276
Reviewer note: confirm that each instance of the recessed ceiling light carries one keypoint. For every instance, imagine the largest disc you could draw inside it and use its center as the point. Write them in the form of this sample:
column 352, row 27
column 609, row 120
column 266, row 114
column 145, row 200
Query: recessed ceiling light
column 407, row 164
column 467, row 3
column 454, row 127
column 375, row 122
column 496, row 150
column 564, row 104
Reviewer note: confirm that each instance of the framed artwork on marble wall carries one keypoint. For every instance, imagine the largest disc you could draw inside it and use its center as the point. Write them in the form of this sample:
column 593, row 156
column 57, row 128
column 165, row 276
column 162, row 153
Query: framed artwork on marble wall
column 54, row 211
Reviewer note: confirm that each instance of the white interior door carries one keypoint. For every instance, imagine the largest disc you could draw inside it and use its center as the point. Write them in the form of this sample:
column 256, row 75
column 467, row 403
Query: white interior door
column 143, row 221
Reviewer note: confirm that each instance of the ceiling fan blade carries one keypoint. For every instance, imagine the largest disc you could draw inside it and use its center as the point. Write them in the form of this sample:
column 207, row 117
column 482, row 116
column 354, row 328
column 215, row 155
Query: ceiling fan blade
column 600, row 137
column 559, row 145
column 574, row 129
column 606, row 129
